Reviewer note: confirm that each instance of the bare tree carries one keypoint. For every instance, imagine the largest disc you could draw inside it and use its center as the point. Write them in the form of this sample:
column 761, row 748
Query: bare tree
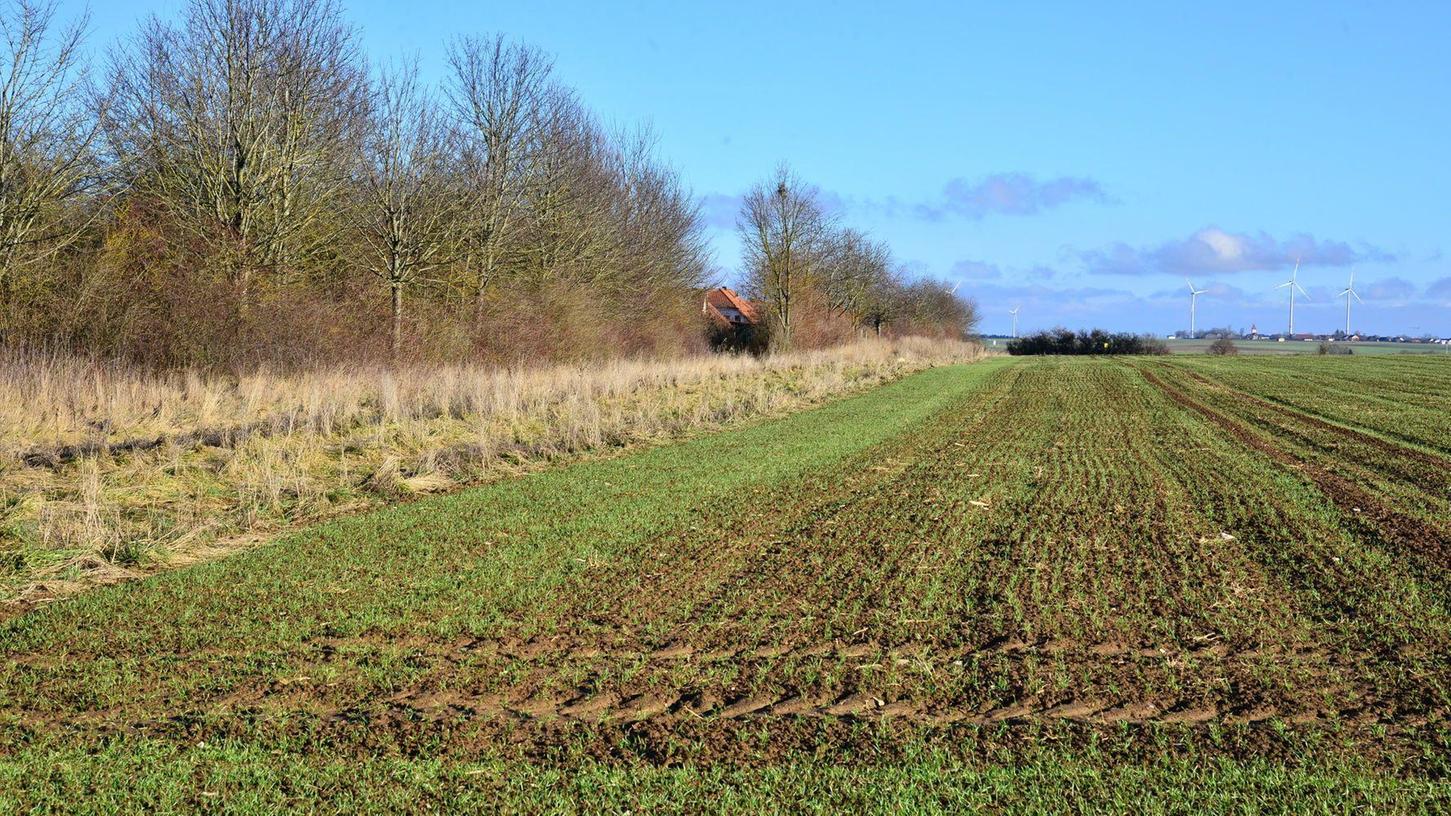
column 658, row 223
column 408, row 214
column 574, row 197
column 497, row 90
column 854, row 271
column 782, row 229
column 48, row 136
column 929, row 307
column 240, row 120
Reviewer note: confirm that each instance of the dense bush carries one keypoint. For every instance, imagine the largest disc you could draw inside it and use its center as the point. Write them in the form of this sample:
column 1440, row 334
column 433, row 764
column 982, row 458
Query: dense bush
column 1092, row 341
column 1223, row 347
column 1327, row 347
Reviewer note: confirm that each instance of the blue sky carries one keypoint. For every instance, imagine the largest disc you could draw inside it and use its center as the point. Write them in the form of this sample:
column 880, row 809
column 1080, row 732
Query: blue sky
column 1077, row 159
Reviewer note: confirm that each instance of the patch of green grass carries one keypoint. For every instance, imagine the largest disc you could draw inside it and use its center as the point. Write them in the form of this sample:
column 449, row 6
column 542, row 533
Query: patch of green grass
column 160, row 778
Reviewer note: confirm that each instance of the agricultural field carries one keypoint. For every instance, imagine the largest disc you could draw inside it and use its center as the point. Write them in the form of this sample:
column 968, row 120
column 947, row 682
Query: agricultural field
column 1274, row 347
column 1179, row 584
column 1201, row 346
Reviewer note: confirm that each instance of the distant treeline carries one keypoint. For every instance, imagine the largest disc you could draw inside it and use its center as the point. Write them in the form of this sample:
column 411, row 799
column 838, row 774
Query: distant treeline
column 242, row 184
column 1092, row 341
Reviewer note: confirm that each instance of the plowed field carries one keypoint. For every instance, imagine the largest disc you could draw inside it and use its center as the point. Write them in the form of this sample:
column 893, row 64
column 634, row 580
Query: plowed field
column 1163, row 584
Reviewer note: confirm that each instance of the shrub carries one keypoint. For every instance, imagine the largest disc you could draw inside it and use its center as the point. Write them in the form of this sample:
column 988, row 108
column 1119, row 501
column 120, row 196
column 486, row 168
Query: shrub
column 1327, row 347
column 1223, row 347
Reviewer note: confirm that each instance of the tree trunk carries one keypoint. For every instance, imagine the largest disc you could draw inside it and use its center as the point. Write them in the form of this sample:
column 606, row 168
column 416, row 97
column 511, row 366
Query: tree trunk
column 486, row 272
column 397, row 288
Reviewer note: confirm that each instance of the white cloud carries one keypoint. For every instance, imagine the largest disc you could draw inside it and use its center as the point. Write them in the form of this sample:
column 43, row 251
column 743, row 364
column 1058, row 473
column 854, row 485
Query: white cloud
column 1008, row 194
column 1214, row 251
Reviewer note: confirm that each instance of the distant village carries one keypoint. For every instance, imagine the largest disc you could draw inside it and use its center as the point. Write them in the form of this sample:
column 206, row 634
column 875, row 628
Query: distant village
column 1337, row 336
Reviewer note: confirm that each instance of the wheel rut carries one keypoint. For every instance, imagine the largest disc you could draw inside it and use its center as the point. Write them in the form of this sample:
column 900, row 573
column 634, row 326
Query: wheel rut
column 870, row 705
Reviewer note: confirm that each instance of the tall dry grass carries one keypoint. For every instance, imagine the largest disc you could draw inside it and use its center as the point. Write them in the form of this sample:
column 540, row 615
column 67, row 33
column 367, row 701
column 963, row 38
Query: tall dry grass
column 230, row 458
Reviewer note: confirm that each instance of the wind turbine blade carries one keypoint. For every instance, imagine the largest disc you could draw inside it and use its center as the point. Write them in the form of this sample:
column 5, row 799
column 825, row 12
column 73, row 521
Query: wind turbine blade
column 1302, row 291
column 1282, row 285
column 1357, row 297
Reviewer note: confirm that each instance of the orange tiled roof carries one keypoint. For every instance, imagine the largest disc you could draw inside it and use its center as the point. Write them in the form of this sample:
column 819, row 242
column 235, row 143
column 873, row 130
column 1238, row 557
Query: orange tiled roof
column 728, row 308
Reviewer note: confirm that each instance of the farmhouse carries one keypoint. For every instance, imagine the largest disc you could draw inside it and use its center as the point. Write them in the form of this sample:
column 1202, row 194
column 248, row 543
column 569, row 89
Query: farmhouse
column 729, row 310
column 735, row 323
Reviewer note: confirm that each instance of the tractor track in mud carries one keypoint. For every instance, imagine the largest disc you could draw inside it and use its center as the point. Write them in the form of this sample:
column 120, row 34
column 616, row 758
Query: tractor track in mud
column 436, row 697
column 867, row 702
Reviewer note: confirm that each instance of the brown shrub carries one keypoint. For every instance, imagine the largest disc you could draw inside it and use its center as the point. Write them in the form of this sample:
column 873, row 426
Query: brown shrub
column 1223, row 347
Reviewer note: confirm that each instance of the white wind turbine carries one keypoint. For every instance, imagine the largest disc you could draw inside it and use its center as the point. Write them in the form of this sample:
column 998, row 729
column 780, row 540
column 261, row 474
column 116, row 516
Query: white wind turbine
column 1014, row 313
column 1193, row 296
column 1294, row 284
column 1349, row 293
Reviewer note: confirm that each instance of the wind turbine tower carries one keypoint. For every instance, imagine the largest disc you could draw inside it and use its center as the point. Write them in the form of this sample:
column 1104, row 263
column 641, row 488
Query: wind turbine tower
column 1014, row 313
column 1348, row 294
column 1293, row 284
column 1193, row 296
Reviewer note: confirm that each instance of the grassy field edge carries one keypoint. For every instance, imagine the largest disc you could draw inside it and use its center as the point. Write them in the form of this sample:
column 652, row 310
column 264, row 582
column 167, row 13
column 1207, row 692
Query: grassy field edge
column 160, row 778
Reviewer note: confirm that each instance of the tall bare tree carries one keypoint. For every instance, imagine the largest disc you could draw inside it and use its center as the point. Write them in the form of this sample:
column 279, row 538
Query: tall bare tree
column 409, row 214
column 575, row 183
column 931, row 307
column 658, row 223
column 48, row 136
column 240, row 120
column 783, row 231
column 497, row 90
column 854, row 271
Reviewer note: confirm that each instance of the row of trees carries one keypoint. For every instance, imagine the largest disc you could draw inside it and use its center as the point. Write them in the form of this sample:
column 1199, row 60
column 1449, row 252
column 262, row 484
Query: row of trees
column 1089, row 341
column 242, row 182
column 821, row 281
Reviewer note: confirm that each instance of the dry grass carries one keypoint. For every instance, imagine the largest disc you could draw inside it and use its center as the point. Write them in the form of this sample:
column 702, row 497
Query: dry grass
column 240, row 457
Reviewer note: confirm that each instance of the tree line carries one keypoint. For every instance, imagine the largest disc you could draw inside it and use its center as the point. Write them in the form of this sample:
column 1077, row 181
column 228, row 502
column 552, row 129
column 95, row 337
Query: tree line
column 822, row 281
column 241, row 183
column 1086, row 341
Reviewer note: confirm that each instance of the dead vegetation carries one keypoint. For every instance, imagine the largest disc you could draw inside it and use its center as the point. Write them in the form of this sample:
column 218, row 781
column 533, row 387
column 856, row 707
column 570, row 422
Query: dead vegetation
column 107, row 471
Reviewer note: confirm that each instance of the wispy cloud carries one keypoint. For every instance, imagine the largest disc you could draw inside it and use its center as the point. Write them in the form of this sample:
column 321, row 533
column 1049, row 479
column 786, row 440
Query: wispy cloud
column 1008, row 194
column 1042, row 299
column 975, row 271
column 975, row 199
column 1214, row 251
column 720, row 209
column 1397, row 289
column 1440, row 291
column 969, row 271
